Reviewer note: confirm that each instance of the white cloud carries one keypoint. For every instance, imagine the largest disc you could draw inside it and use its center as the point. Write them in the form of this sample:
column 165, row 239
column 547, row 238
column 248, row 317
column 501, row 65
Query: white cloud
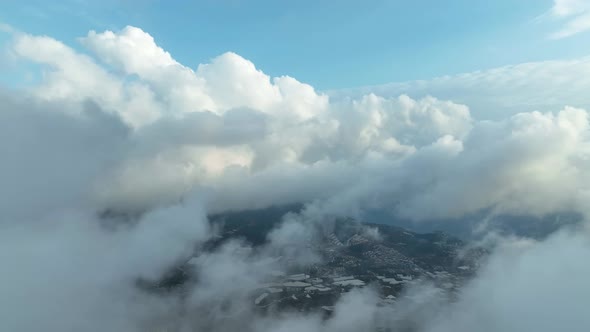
column 120, row 51
column 73, row 77
column 497, row 93
column 225, row 83
column 530, row 163
column 577, row 16
column 565, row 8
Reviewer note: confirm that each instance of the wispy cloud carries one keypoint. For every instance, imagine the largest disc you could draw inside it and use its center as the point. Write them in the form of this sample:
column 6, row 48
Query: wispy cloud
column 6, row 28
column 576, row 25
column 575, row 13
column 499, row 92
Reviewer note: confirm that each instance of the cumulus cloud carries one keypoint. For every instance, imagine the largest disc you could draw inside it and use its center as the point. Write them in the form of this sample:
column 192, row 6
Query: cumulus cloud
column 531, row 163
column 112, row 161
column 221, row 85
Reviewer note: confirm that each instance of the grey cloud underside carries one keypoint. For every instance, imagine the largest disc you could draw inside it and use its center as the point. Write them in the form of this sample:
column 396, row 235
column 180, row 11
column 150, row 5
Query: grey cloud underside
column 129, row 130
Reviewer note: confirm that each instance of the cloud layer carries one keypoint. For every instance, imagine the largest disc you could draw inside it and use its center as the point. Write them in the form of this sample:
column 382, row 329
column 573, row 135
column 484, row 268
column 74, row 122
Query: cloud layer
column 129, row 132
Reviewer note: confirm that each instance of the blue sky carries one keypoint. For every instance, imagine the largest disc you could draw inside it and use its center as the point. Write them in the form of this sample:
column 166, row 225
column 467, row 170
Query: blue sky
column 329, row 44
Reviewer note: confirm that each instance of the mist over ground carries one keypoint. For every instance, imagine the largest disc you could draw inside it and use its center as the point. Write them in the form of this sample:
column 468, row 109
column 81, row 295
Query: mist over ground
column 114, row 157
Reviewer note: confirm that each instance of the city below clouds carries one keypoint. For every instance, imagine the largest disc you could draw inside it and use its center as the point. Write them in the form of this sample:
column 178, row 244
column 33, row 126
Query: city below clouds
column 116, row 124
